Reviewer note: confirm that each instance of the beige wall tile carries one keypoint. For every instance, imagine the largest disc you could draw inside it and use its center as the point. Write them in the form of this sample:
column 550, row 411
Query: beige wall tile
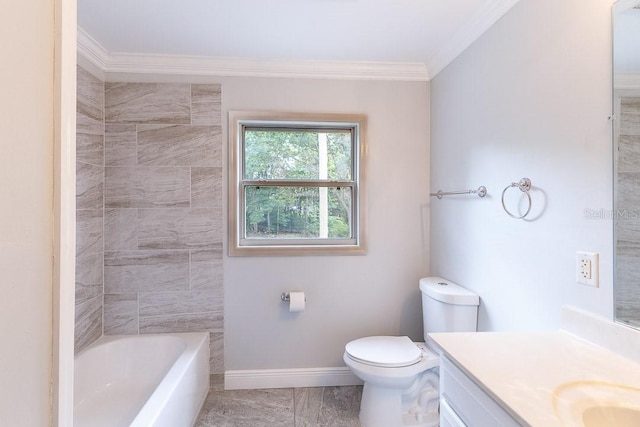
column 177, row 228
column 89, row 186
column 178, row 145
column 121, row 314
column 181, row 323
column 120, row 145
column 147, row 103
column 146, row 271
column 90, row 94
column 206, row 187
column 88, row 322
column 89, row 140
column 150, row 187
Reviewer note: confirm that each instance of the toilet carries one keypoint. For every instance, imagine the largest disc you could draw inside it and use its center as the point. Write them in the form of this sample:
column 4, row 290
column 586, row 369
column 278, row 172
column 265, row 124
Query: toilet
column 401, row 383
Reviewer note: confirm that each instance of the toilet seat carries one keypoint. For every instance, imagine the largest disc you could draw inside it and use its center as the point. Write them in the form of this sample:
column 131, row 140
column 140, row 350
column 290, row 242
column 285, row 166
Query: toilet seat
column 384, row 351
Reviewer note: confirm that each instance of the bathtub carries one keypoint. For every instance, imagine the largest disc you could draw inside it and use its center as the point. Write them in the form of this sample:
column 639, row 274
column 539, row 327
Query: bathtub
column 141, row 381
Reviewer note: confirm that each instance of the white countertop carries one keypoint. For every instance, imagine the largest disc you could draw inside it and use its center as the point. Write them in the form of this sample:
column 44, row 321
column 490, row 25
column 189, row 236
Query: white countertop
column 521, row 370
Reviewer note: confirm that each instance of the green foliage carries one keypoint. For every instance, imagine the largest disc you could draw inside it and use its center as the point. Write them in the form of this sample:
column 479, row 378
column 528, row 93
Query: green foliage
column 294, row 211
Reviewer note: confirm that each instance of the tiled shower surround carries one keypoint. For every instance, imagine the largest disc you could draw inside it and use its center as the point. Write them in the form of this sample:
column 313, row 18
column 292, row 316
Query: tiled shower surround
column 162, row 217
column 627, row 218
column 89, row 209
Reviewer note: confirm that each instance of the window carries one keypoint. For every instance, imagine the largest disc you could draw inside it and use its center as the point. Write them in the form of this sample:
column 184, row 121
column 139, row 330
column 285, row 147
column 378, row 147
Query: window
column 295, row 183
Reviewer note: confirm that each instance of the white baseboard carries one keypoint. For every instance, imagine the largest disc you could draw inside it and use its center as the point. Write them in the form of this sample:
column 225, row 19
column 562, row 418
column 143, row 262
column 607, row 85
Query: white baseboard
column 286, row 378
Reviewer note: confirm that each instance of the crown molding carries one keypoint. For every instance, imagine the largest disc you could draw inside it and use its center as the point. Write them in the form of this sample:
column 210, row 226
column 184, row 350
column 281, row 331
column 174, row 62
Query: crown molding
column 129, row 63
column 104, row 63
column 91, row 55
column 465, row 36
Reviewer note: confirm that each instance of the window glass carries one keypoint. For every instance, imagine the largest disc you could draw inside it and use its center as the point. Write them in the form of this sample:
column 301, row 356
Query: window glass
column 295, row 183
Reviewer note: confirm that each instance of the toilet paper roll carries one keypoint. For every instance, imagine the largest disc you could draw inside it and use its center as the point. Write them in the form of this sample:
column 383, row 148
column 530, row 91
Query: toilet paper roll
column 296, row 301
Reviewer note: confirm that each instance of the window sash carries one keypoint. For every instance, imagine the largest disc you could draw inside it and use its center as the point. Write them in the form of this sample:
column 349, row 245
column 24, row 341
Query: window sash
column 239, row 244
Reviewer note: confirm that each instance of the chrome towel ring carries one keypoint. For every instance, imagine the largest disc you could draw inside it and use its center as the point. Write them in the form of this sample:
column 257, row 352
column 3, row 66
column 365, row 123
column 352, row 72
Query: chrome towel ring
column 524, row 185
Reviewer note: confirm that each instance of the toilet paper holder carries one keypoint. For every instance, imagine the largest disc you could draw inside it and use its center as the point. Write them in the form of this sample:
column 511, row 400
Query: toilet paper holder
column 285, row 297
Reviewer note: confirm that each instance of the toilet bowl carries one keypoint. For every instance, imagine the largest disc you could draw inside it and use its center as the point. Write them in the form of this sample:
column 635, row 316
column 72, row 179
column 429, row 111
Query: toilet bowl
column 401, row 383
column 400, row 387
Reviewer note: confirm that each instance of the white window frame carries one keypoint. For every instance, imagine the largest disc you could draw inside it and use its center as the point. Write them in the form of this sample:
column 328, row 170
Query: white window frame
column 239, row 245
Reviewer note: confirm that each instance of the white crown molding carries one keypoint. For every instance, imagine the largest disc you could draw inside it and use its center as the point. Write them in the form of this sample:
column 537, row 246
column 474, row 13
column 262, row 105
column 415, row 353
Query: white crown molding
column 92, row 54
column 626, row 81
column 465, row 36
column 128, row 63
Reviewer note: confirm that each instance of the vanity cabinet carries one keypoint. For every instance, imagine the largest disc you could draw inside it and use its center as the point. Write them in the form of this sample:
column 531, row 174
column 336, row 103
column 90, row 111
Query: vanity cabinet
column 464, row 404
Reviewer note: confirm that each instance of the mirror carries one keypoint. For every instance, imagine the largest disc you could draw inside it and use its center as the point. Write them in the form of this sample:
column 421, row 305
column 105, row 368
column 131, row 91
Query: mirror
column 626, row 82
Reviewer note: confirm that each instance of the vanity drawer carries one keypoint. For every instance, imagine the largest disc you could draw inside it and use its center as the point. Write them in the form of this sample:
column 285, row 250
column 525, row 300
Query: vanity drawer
column 468, row 401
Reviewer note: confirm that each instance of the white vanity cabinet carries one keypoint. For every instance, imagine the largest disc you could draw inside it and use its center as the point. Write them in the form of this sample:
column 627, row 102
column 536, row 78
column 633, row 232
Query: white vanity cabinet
column 464, row 404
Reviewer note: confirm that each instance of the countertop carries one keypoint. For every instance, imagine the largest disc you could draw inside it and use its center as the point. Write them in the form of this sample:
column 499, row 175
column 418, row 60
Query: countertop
column 523, row 370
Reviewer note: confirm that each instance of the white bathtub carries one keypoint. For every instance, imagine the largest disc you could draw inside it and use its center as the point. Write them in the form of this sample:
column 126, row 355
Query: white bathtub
column 142, row 381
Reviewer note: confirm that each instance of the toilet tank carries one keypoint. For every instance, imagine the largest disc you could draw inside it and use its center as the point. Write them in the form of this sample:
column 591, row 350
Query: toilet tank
column 447, row 307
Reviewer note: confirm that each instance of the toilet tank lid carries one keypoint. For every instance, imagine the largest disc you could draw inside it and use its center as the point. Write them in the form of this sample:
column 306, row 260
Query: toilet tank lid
column 448, row 292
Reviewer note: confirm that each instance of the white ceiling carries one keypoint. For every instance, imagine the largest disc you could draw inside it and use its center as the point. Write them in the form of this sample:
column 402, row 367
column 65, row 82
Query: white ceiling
column 425, row 32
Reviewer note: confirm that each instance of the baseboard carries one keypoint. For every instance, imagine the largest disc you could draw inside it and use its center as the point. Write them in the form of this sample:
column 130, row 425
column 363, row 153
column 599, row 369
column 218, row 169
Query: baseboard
column 286, row 378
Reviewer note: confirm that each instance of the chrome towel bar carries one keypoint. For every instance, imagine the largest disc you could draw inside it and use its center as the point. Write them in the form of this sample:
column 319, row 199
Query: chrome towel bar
column 524, row 185
column 481, row 192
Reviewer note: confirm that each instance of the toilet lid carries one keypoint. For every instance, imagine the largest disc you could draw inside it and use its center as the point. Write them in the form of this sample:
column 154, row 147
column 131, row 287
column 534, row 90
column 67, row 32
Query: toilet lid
column 384, row 351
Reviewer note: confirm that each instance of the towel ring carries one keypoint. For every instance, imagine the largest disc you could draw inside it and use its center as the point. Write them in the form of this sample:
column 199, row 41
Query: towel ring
column 524, row 185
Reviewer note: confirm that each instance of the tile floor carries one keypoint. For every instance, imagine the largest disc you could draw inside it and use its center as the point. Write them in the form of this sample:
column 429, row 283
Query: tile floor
column 289, row 407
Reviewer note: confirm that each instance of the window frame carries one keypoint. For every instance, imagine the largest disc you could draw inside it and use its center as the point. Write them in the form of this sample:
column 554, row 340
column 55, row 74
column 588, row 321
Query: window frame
column 239, row 245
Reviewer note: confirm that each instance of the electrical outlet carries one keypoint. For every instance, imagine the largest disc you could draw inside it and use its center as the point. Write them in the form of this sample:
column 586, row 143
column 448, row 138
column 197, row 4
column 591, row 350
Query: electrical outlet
column 587, row 268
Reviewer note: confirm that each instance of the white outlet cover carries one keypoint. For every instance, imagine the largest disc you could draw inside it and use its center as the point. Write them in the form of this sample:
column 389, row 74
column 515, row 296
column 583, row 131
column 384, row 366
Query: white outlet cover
column 591, row 260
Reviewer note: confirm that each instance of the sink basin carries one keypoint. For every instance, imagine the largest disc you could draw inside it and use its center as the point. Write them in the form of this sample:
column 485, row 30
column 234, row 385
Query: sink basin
column 599, row 416
column 597, row 404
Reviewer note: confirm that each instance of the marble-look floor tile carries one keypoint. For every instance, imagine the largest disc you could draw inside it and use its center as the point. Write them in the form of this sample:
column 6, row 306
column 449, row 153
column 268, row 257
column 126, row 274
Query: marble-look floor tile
column 340, row 406
column 308, row 404
column 300, row 407
column 248, row 408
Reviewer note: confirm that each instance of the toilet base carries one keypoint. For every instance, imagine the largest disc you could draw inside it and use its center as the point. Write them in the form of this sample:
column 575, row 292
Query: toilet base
column 392, row 407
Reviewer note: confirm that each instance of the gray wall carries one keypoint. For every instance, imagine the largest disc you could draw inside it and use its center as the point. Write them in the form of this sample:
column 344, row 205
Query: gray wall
column 530, row 98
column 347, row 296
